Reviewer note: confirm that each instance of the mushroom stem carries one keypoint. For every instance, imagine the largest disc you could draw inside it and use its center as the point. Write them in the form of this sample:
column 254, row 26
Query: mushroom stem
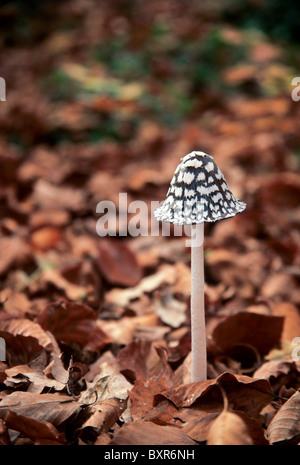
column 198, row 332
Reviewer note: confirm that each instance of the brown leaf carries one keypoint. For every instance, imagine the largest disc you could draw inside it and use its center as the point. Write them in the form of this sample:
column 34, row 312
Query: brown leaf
column 243, row 392
column 126, row 329
column 26, row 328
column 83, row 275
column 44, row 164
column 278, row 285
column 170, row 310
column 13, row 251
column 54, row 408
column 142, row 359
column 36, row 378
column 45, row 238
column 20, row 349
column 118, row 263
column 275, row 369
column 107, row 387
column 142, row 395
column 147, row 433
column 285, row 426
column 56, row 367
column 71, row 322
column 262, row 332
column 166, row 274
column 15, row 303
column 72, row 291
column 104, row 415
column 281, row 190
column 105, row 365
column 291, row 325
column 179, row 342
column 228, row 429
column 140, row 178
column 48, row 196
column 56, row 218
column 198, row 428
column 165, row 413
column 4, row 436
column 3, row 375
column 36, row 430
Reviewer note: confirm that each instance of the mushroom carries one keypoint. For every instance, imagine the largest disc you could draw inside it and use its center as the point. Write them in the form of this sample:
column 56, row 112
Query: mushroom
column 198, row 193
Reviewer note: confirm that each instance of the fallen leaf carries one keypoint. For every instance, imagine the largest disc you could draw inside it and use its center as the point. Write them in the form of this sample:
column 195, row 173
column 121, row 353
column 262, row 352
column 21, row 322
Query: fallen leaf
column 165, row 275
column 37, row 380
column 142, row 394
column 147, row 433
column 15, row 303
column 170, row 310
column 38, row 431
column 4, row 436
column 104, row 415
column 72, row 291
column 143, row 360
column 126, row 329
column 53, row 408
column 45, row 238
column 281, row 190
column 285, row 425
column 118, row 263
column 73, row 323
column 244, row 393
column 56, row 367
column 106, row 387
column 49, row 196
column 262, row 332
column 26, row 327
column 13, row 251
column 198, row 428
column 291, row 324
column 228, row 430
column 21, row 349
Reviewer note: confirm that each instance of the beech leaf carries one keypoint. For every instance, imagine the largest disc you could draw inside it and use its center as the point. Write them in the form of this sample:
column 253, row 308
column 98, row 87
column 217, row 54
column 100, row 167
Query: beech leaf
column 285, row 425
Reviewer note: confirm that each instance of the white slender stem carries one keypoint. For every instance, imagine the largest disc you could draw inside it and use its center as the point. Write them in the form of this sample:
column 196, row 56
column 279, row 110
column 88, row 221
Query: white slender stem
column 198, row 332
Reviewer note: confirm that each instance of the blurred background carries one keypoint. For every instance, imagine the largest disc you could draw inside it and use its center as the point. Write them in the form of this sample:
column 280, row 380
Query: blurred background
column 106, row 97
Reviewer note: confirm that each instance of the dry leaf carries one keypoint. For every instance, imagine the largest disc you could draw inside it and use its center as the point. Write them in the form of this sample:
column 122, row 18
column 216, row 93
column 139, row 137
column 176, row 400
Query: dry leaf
column 142, row 394
column 37, row 430
column 143, row 360
column 73, row 323
column 147, row 433
column 228, row 430
column 46, row 238
column 262, row 332
column 291, row 325
column 27, row 328
column 49, row 196
column 13, row 251
column 285, row 425
column 165, row 275
column 104, row 415
column 243, row 392
column 118, row 263
column 53, row 408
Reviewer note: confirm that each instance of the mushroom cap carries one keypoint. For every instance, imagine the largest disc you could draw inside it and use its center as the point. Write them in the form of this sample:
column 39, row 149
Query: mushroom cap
column 198, row 193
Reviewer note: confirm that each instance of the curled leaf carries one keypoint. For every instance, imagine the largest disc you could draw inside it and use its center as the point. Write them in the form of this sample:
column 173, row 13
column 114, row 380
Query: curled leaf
column 227, row 430
column 285, row 426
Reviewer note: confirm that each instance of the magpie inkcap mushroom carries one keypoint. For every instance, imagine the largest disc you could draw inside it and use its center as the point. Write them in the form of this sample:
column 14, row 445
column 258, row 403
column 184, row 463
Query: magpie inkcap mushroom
column 198, row 193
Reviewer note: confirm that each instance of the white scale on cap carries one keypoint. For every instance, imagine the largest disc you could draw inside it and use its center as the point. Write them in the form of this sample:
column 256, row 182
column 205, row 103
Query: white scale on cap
column 198, row 193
